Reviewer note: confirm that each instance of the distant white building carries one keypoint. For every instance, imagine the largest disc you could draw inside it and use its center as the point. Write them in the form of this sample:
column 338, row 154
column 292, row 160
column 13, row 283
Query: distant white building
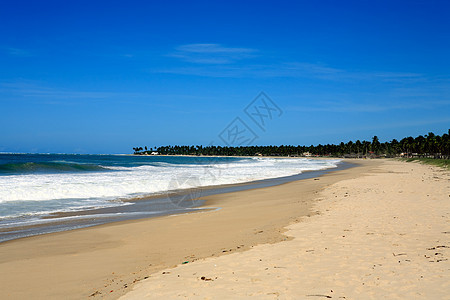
column 154, row 153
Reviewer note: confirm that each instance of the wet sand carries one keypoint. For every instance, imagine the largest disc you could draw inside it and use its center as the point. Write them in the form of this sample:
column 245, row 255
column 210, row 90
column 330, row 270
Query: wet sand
column 106, row 261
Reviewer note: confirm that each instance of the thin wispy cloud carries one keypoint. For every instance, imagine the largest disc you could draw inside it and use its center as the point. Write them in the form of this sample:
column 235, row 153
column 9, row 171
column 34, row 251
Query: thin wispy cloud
column 215, row 60
column 16, row 52
column 260, row 70
column 26, row 89
column 211, row 53
column 396, row 75
column 329, row 73
column 354, row 107
column 32, row 91
column 40, row 92
column 288, row 70
column 310, row 69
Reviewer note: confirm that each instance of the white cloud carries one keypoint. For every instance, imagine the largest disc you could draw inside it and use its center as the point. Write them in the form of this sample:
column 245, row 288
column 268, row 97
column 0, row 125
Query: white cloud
column 17, row 52
column 211, row 53
column 214, row 60
column 36, row 91
column 355, row 107
column 212, row 48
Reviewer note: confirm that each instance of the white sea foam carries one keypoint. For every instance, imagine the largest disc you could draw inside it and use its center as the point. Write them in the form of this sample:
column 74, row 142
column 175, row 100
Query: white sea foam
column 67, row 191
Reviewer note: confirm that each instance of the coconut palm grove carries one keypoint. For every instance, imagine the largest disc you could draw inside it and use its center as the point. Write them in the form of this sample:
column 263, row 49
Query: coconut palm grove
column 428, row 146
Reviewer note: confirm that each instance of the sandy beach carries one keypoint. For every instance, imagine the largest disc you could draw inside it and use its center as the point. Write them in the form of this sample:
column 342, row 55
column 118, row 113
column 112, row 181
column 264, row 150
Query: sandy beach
column 383, row 235
column 379, row 230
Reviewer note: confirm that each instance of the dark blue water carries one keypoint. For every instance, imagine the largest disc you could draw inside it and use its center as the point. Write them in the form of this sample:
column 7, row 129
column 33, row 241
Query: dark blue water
column 13, row 164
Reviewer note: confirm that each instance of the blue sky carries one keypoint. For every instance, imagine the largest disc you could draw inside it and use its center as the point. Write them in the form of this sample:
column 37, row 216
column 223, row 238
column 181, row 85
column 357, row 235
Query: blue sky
column 84, row 77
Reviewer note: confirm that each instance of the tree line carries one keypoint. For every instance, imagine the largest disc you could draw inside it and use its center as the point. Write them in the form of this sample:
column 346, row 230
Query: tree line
column 430, row 145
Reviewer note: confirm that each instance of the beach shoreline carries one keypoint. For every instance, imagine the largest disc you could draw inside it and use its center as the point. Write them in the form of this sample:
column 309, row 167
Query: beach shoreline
column 112, row 257
column 168, row 203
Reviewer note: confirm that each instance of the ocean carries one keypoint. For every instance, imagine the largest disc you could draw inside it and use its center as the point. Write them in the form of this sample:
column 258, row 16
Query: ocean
column 42, row 193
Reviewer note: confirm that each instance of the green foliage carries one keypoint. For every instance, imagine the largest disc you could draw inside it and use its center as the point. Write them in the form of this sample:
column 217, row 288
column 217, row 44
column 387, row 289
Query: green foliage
column 428, row 146
column 443, row 163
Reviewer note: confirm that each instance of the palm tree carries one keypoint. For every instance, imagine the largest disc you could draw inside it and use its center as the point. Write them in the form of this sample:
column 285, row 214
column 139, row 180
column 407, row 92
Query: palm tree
column 375, row 144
